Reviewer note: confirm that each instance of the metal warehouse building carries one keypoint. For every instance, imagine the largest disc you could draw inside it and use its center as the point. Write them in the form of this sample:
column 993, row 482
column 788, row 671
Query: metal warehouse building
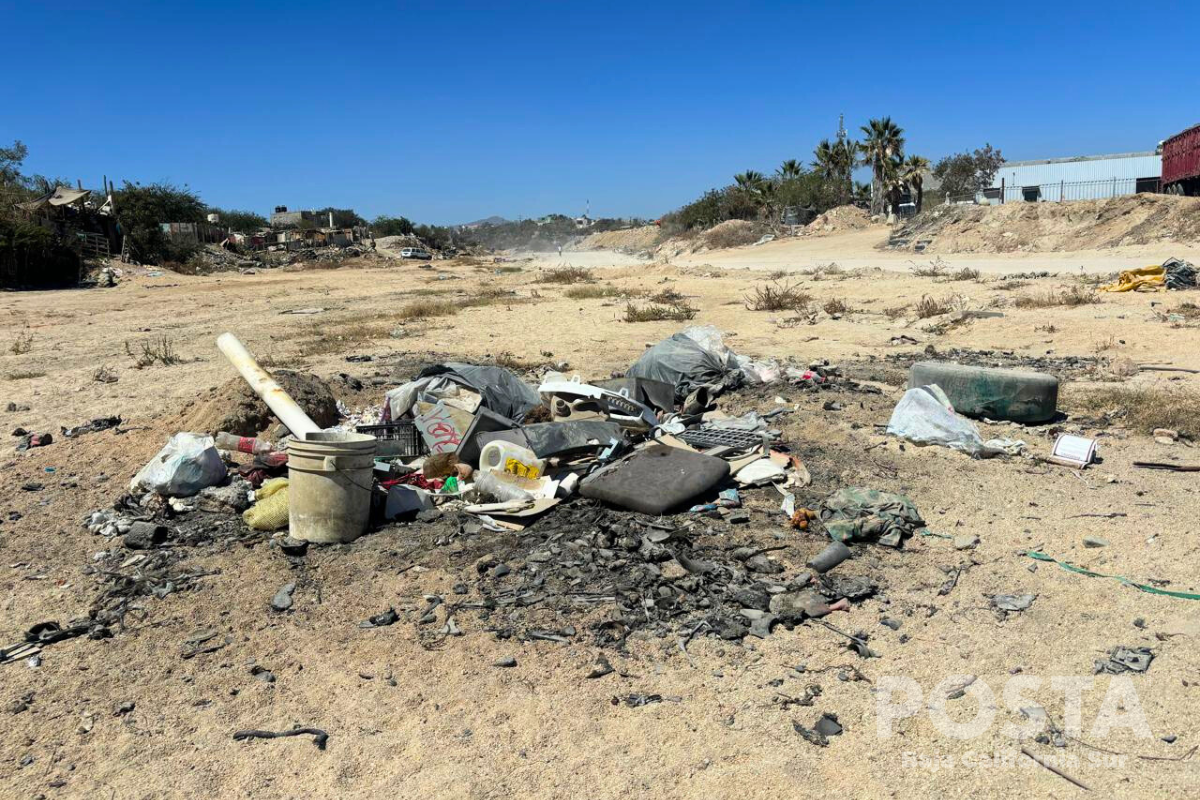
column 1079, row 178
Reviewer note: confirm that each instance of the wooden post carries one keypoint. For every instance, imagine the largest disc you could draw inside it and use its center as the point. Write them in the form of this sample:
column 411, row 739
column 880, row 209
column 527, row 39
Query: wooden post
column 1062, row 190
column 1002, row 191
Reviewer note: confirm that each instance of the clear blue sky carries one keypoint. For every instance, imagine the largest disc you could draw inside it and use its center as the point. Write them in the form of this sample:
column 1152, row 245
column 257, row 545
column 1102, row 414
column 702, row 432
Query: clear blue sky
column 446, row 112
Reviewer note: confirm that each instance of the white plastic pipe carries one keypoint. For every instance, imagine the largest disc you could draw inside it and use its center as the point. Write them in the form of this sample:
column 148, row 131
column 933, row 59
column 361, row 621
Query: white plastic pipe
column 279, row 401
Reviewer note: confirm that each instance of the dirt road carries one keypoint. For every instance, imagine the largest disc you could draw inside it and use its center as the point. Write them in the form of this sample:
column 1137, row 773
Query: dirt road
column 412, row 713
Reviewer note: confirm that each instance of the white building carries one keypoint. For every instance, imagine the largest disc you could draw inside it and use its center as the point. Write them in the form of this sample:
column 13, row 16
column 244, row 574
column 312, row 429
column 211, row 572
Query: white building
column 1079, row 178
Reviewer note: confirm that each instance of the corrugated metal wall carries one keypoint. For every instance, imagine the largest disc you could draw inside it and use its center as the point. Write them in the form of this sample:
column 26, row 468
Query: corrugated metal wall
column 1093, row 178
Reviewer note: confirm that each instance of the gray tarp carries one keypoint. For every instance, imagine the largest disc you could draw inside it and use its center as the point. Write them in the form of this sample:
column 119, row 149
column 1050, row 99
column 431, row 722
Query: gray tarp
column 682, row 362
column 501, row 390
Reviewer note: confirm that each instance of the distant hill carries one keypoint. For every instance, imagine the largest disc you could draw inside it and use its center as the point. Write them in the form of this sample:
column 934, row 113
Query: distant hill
column 492, row 220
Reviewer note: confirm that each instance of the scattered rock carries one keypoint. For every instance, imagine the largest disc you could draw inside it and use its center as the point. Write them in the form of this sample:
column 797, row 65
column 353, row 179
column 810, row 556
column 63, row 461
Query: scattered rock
column 506, row 662
column 145, row 535
column 389, row 617
column 966, row 542
column 601, row 668
column 1094, row 541
column 282, row 600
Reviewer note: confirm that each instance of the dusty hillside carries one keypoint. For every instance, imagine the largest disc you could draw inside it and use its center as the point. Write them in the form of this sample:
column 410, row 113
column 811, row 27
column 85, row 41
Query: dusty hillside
column 1053, row 227
column 630, row 240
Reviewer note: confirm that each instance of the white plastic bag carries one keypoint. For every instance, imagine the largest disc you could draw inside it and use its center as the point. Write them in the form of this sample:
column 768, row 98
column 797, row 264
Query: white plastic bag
column 189, row 462
column 925, row 416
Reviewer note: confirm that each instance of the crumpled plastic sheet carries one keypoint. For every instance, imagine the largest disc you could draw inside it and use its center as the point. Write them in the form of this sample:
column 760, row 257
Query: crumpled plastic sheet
column 925, row 416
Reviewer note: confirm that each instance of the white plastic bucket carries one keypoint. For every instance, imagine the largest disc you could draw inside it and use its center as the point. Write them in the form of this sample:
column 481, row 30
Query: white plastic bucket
column 329, row 486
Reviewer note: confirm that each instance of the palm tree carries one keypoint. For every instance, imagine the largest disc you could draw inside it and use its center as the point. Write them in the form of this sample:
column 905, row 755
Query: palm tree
column 825, row 160
column 835, row 162
column 885, row 140
column 749, row 180
column 790, row 169
column 913, row 172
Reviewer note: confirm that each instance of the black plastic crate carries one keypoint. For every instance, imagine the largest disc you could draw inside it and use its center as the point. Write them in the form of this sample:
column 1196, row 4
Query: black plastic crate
column 396, row 439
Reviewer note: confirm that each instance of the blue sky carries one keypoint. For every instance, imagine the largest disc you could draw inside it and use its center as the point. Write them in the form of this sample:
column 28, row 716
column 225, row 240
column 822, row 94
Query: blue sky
column 446, row 112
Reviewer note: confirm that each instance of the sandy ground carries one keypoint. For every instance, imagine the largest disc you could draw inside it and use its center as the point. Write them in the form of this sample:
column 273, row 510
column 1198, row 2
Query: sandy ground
column 413, row 721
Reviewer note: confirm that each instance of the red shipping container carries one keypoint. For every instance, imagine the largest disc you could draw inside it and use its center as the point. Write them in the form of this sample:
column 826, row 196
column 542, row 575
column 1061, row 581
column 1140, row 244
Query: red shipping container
column 1181, row 157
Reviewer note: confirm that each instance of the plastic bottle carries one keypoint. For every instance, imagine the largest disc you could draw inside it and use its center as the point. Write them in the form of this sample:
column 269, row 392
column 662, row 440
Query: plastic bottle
column 501, row 456
column 265, row 451
column 500, row 486
column 243, row 444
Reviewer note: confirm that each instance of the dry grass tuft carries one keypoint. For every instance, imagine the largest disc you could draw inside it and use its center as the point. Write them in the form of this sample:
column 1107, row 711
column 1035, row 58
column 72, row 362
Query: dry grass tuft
column 1072, row 297
column 835, row 305
column 928, row 307
column 658, row 313
column 1142, row 408
column 567, row 275
column 778, row 296
column 594, row 292
column 964, row 274
column 153, row 351
column 934, row 269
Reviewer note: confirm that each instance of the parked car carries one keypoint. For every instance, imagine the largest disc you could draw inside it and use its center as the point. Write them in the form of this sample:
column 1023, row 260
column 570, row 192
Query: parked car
column 416, row 252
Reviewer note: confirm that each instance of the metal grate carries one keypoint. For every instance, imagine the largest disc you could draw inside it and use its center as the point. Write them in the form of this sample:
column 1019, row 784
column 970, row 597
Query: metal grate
column 704, row 438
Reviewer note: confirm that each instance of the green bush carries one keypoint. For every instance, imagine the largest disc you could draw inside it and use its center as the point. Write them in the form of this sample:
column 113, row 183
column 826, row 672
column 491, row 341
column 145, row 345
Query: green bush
column 32, row 256
column 142, row 210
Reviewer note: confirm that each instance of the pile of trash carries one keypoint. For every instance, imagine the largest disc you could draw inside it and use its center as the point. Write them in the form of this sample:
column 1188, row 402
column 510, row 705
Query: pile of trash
column 1173, row 274
column 627, row 493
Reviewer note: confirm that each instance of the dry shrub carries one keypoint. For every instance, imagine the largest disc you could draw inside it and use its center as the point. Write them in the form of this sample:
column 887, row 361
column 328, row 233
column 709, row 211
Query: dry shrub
column 964, row 274
column 895, row 312
column 835, row 305
column 1072, row 297
column 1188, row 310
column 934, row 269
column 24, row 375
column 153, row 351
column 777, row 296
column 1142, row 408
column 428, row 309
column 1008, row 286
column 928, row 307
column 668, row 297
column 658, row 313
column 592, row 292
column 567, row 275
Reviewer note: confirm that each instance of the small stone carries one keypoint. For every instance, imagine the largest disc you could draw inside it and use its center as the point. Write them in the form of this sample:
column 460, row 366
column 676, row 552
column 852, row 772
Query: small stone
column 738, row 517
column 1165, row 435
column 506, row 662
column 124, row 708
column 145, row 535
column 293, row 547
column 1094, row 541
column 1170, row 738
column 1139, row 623
column 282, row 600
column 601, row 668
column 500, row 570
column 966, row 542
column 460, row 588
column 894, row 624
